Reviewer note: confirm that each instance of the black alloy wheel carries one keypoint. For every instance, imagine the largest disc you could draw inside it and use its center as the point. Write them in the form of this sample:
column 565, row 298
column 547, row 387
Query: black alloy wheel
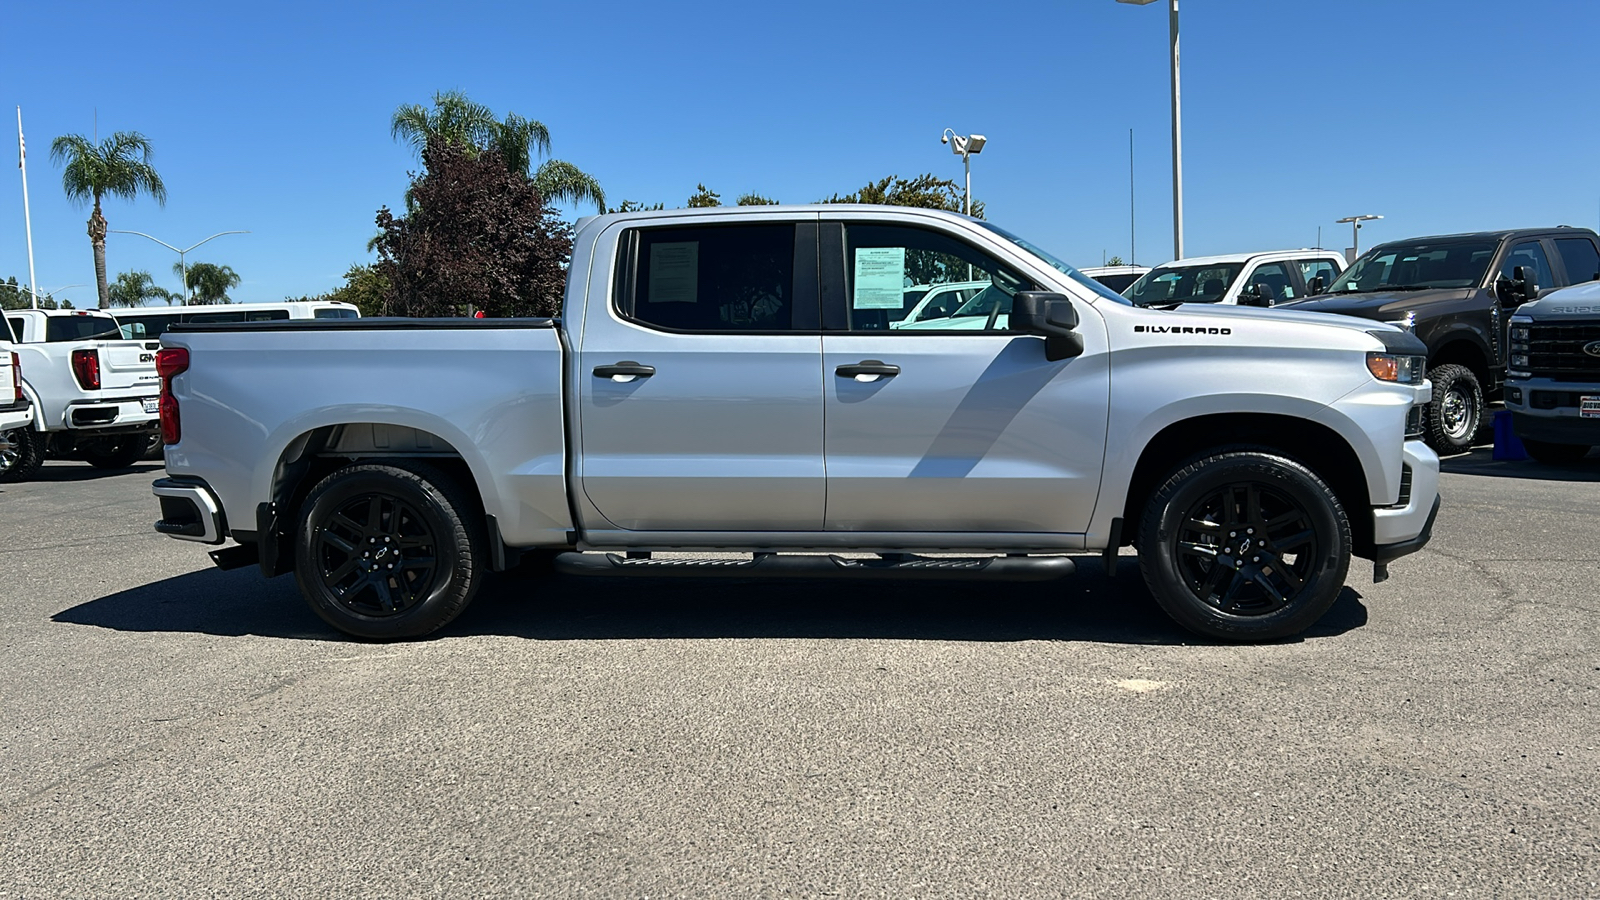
column 376, row 555
column 1245, row 546
column 21, row 454
column 389, row 550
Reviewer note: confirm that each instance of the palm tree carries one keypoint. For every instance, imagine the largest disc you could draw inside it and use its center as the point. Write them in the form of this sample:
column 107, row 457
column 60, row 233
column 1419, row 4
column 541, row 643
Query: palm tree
column 458, row 120
column 119, row 166
column 135, row 289
column 209, row 282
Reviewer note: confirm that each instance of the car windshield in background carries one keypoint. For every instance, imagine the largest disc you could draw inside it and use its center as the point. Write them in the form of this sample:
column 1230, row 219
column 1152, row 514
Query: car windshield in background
column 58, row 329
column 1417, row 267
column 1056, row 264
column 1183, row 284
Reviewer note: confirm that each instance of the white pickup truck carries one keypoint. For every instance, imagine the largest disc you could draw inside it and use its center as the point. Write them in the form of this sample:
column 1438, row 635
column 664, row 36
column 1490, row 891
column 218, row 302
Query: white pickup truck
column 93, row 394
column 726, row 380
column 16, row 414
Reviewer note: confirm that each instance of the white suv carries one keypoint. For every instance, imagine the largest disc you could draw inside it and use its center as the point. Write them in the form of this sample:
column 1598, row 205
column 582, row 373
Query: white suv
column 1247, row 279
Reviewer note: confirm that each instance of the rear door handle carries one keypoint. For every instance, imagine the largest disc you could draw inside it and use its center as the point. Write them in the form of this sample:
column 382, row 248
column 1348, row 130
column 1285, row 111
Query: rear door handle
column 873, row 367
column 627, row 370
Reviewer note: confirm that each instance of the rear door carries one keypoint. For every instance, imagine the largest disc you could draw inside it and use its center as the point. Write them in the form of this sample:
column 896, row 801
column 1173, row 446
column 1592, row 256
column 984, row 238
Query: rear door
column 699, row 379
column 961, row 430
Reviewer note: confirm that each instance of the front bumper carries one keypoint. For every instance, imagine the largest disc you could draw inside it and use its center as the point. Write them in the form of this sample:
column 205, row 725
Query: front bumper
column 189, row 511
column 1408, row 523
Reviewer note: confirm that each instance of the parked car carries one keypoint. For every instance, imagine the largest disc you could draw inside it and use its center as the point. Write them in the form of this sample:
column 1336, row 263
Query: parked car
column 1455, row 292
column 16, row 415
column 142, row 322
column 93, row 393
column 939, row 301
column 1117, row 278
column 1247, row 279
column 1553, row 380
column 720, row 379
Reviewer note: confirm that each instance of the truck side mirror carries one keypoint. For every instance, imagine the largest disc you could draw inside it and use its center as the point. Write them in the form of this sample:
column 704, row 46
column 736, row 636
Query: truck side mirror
column 1257, row 294
column 1316, row 285
column 1523, row 279
column 1051, row 316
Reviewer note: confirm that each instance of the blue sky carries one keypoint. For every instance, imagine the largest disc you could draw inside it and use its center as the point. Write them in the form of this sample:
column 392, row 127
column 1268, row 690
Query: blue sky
column 1441, row 115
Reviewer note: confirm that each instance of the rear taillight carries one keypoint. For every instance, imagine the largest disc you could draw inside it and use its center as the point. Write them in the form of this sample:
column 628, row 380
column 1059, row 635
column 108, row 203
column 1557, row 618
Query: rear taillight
column 16, row 374
column 86, row 368
column 170, row 362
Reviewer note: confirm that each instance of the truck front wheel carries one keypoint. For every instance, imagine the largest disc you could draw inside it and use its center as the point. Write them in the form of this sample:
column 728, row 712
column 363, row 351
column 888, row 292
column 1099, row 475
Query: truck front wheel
column 389, row 551
column 1245, row 546
column 1456, row 413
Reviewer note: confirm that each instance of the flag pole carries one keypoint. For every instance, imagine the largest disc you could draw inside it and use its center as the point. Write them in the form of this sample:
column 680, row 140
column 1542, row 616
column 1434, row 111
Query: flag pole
column 27, row 218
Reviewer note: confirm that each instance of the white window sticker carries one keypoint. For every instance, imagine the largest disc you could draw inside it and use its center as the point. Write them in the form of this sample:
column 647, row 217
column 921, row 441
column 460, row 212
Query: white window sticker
column 880, row 278
column 674, row 272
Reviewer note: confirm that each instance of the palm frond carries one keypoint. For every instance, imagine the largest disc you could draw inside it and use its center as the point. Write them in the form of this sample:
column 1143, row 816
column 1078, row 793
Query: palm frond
column 565, row 182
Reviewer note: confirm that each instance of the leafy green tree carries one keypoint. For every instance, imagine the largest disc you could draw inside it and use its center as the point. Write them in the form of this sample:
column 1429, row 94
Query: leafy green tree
column 925, row 191
column 363, row 288
column 704, row 197
column 119, row 166
column 16, row 296
column 136, row 289
column 474, row 129
column 631, row 206
column 208, row 283
column 756, row 200
column 1115, row 261
column 478, row 236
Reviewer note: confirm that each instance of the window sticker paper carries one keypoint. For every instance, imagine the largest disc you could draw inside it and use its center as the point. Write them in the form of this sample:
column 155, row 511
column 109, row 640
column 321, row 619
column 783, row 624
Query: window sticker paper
column 880, row 278
column 674, row 272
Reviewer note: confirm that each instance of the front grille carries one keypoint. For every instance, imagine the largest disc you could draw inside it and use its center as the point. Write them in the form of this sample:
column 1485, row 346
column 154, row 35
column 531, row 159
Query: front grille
column 1558, row 349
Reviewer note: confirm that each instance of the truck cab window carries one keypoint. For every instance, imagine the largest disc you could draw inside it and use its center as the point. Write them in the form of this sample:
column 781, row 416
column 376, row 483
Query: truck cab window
column 1580, row 259
column 736, row 278
column 1529, row 254
column 912, row 279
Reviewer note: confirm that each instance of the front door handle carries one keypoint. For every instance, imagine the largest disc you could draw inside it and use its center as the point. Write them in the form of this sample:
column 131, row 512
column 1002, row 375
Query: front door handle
column 627, row 370
column 868, row 367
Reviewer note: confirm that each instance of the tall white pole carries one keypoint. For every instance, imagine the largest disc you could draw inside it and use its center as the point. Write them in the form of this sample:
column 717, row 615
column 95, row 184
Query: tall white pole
column 27, row 217
column 966, row 160
column 1177, row 146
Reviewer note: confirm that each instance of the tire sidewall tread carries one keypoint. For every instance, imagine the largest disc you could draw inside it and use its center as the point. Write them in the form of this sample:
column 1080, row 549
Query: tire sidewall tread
column 1444, row 378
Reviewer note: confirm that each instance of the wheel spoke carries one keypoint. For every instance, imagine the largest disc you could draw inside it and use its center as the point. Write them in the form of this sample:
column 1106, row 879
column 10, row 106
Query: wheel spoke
column 1212, row 579
column 1297, row 539
column 380, row 584
column 1252, row 495
column 337, row 542
column 347, row 523
column 1285, row 573
column 350, row 590
column 1230, row 596
column 1203, row 526
column 345, row 568
column 1265, row 583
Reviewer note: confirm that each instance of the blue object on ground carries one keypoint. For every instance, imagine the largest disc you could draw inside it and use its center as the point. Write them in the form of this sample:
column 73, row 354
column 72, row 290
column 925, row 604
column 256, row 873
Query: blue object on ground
column 1506, row 443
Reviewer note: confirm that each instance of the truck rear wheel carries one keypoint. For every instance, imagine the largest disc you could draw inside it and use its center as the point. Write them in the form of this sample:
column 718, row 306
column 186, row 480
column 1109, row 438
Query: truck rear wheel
column 1546, row 452
column 1245, row 546
column 1456, row 412
column 21, row 454
column 389, row 551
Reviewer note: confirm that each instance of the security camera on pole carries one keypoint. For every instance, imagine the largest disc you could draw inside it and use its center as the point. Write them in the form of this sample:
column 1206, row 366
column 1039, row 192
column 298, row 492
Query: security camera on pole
column 965, row 147
column 1355, row 234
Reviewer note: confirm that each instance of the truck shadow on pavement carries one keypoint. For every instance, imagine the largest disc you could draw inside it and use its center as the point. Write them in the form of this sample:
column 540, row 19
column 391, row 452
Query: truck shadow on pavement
column 1481, row 462
column 1086, row 607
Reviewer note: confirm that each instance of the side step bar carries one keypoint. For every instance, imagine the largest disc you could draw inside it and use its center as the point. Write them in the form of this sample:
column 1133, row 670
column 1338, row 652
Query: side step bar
column 773, row 565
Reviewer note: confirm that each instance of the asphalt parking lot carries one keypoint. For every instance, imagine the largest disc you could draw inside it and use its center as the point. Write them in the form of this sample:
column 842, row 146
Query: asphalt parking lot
column 174, row 730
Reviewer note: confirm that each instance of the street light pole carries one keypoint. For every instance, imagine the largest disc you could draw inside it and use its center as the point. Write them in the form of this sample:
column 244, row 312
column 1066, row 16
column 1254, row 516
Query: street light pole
column 1355, row 232
column 1177, row 129
column 964, row 147
column 183, row 269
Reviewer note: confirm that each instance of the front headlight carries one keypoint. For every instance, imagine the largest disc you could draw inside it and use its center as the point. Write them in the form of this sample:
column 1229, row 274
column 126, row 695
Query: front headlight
column 1398, row 369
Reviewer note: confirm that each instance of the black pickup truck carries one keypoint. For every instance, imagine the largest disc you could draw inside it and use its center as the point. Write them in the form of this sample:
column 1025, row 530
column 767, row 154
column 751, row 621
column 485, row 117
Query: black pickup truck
column 1457, row 292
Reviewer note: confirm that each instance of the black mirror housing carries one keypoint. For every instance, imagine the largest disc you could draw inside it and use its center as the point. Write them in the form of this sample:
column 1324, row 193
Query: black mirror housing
column 1051, row 316
column 1316, row 286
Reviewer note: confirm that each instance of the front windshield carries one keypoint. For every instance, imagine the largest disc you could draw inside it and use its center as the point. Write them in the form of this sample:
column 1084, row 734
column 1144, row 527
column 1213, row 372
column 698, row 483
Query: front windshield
column 1049, row 260
column 1417, row 267
column 1164, row 285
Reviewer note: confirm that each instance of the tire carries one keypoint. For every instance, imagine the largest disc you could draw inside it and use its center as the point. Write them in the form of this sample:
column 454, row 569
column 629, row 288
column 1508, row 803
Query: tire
column 21, row 454
column 155, row 449
column 1454, row 416
column 427, row 541
column 119, row 452
column 1252, row 590
column 1546, row 452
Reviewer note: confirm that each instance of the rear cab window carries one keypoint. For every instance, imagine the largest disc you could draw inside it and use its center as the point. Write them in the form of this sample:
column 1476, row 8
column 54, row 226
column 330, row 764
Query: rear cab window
column 713, row 279
column 59, row 329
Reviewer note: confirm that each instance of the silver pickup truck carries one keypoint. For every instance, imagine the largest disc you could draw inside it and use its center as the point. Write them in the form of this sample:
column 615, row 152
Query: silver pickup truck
column 727, row 380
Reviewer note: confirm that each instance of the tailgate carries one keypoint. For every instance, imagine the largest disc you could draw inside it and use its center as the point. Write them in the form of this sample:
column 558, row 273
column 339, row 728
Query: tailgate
column 128, row 364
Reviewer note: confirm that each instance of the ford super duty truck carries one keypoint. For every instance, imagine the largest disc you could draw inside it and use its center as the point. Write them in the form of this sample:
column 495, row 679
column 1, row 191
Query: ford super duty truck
column 727, row 380
column 1553, row 381
column 93, row 393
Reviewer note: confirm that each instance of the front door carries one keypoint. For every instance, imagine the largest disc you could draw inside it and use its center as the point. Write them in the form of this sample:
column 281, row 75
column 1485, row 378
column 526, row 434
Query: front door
column 959, row 424
column 700, row 389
